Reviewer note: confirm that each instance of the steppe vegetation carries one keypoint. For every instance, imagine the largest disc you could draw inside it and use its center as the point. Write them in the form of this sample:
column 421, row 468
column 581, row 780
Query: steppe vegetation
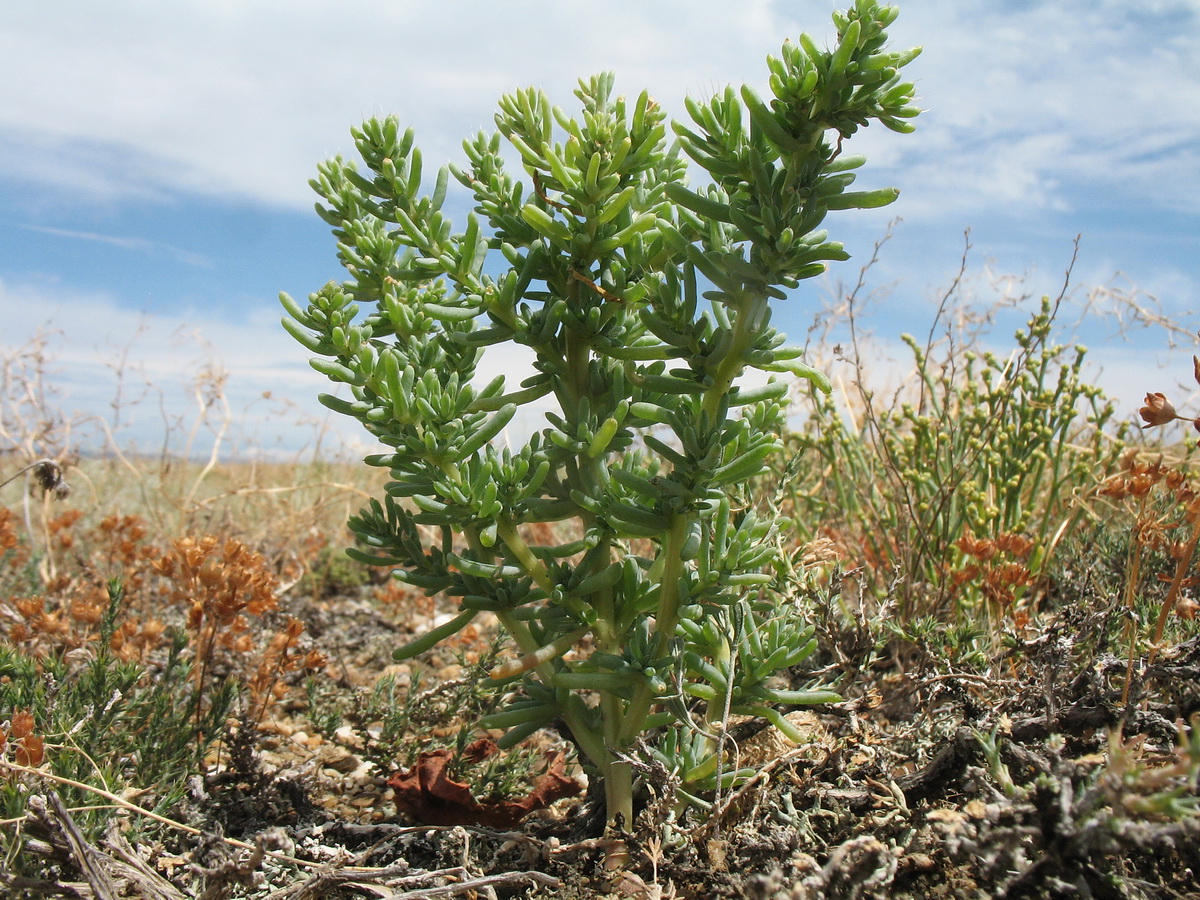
column 197, row 695
column 848, row 636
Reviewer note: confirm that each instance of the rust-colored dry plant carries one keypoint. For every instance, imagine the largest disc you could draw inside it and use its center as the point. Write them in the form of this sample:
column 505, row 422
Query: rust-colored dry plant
column 19, row 737
column 221, row 585
column 999, row 568
column 282, row 655
column 1165, row 508
column 122, row 654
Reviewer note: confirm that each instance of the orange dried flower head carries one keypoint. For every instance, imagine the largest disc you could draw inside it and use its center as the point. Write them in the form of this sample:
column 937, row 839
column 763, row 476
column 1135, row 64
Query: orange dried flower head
column 1017, row 545
column 86, row 610
column 1014, row 574
column 980, row 548
column 1140, row 485
column 1157, row 411
column 31, row 751
column 8, row 529
column 1115, row 487
column 962, row 576
column 243, row 643
column 29, row 607
column 64, row 521
column 22, row 724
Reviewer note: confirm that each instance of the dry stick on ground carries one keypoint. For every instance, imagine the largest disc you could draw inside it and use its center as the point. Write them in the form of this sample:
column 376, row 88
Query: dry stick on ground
column 507, row 879
column 344, row 875
column 103, row 871
column 323, row 883
column 140, row 872
column 111, row 872
column 413, row 886
column 87, row 858
column 6, row 766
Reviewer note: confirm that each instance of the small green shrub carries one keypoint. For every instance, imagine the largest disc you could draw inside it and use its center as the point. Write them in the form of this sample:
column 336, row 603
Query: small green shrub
column 660, row 598
column 952, row 496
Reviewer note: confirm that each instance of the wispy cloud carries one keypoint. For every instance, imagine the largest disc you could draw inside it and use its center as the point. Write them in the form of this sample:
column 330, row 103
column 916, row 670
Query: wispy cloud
column 1050, row 106
column 143, row 374
column 242, row 100
column 132, row 244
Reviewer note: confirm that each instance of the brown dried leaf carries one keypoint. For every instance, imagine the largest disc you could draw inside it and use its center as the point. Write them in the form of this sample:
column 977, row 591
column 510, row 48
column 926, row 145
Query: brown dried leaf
column 429, row 795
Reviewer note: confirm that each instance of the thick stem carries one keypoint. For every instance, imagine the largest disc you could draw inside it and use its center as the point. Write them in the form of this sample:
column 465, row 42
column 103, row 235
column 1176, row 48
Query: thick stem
column 748, row 322
column 544, row 654
column 588, row 476
column 746, row 325
column 664, row 625
column 589, row 741
column 618, row 793
column 533, row 566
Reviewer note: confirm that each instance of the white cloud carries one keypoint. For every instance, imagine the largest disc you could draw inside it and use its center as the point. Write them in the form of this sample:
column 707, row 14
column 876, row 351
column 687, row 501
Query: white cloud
column 1029, row 104
column 1032, row 108
column 245, row 98
column 146, row 376
column 132, row 244
column 1026, row 102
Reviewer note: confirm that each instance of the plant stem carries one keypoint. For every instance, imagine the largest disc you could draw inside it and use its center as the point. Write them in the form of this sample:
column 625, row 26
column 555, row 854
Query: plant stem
column 588, row 740
column 1182, row 565
column 664, row 625
column 749, row 319
column 533, row 566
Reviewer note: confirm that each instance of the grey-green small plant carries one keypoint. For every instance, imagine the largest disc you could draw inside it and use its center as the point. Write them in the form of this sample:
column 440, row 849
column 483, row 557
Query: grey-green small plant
column 657, row 600
column 988, row 449
column 108, row 723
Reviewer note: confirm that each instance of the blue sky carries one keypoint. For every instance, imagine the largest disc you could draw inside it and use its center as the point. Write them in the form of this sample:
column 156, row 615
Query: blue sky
column 154, row 161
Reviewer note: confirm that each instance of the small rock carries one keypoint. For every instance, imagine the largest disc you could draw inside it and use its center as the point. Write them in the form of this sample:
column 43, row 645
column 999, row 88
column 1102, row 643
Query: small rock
column 338, row 758
column 348, row 737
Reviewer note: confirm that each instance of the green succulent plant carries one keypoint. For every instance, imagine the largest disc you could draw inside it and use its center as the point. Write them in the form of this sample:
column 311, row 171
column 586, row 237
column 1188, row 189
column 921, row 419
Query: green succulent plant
column 644, row 301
